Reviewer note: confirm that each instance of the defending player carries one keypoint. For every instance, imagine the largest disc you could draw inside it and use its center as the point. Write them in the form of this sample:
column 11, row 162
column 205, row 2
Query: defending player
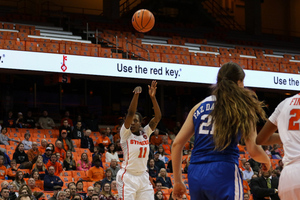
column 133, row 180
column 219, row 122
column 285, row 118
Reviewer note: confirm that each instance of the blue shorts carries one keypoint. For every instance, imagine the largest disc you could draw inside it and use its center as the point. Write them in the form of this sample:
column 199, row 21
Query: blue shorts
column 215, row 181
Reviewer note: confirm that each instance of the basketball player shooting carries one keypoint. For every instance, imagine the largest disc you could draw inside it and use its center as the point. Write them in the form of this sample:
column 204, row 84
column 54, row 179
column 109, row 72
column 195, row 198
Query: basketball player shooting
column 133, row 180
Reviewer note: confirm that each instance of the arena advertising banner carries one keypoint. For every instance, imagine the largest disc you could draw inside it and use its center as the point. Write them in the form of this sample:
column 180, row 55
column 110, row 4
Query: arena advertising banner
column 72, row 64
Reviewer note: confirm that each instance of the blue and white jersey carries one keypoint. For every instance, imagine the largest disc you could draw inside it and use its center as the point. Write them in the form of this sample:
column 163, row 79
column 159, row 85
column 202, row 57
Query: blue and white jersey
column 204, row 144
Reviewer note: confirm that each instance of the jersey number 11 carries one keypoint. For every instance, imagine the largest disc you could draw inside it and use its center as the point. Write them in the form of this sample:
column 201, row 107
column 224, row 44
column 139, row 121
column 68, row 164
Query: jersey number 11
column 143, row 149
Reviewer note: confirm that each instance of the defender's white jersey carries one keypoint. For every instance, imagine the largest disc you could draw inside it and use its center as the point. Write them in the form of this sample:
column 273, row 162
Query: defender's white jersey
column 135, row 150
column 287, row 118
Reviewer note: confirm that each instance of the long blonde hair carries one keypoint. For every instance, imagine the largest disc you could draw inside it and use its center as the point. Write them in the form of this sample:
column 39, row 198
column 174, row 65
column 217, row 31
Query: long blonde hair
column 36, row 167
column 69, row 160
column 236, row 109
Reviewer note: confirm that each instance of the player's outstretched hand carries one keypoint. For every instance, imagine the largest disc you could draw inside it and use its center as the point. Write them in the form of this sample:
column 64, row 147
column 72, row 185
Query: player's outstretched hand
column 137, row 90
column 179, row 190
column 152, row 88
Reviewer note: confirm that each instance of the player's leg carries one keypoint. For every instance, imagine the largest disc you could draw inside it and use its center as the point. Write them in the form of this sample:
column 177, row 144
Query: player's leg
column 216, row 180
column 289, row 182
column 146, row 191
column 126, row 185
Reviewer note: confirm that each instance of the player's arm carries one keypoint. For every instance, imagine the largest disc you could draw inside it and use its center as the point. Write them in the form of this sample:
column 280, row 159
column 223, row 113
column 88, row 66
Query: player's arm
column 185, row 133
column 267, row 136
column 256, row 152
column 132, row 107
column 157, row 113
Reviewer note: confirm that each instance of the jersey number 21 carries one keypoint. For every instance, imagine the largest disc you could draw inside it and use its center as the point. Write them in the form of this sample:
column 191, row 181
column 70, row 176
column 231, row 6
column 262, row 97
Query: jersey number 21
column 206, row 126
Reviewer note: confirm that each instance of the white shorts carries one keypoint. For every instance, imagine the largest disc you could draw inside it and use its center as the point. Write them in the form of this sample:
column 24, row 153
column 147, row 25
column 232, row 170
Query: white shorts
column 289, row 182
column 132, row 187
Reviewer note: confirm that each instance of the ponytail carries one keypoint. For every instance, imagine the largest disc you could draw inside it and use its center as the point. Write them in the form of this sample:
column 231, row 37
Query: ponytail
column 236, row 108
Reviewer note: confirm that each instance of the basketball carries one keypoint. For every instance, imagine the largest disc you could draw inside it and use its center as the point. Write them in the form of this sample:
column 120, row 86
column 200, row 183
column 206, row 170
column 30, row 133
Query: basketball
column 143, row 20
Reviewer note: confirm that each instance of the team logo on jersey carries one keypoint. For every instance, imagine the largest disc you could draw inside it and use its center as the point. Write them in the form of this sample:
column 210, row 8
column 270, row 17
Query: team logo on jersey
column 145, row 136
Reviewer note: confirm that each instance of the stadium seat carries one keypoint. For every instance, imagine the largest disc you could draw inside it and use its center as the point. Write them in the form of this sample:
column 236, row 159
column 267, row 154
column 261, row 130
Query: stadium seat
column 15, row 135
column 147, row 46
column 67, row 173
column 242, row 63
column 196, row 61
column 95, row 133
column 268, row 51
column 294, row 69
column 76, row 143
column 10, row 147
column 79, row 175
column 274, row 163
column 247, row 156
column 275, row 67
column 48, row 194
column 35, row 32
column 25, row 171
column 104, row 54
column 297, row 57
column 120, row 163
column 15, row 143
column 25, row 130
column 19, row 47
column 168, row 60
column 66, row 178
column 8, row 26
column 40, row 134
column 87, row 151
column 65, row 185
column 51, row 140
column 95, row 138
column 9, row 46
column 205, row 48
column 165, row 191
column 10, row 153
column 141, row 54
column 172, row 180
column 85, row 53
column 78, row 151
column 35, row 139
column 87, row 184
column 12, row 130
column 26, row 179
column 117, row 55
column 51, row 133
column 105, row 165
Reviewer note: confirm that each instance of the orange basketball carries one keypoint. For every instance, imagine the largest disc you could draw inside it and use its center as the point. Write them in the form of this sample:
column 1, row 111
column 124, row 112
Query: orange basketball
column 143, row 20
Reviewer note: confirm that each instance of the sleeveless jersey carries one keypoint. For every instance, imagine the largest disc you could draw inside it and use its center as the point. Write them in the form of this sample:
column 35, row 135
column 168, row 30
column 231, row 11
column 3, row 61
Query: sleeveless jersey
column 286, row 117
column 204, row 144
column 135, row 150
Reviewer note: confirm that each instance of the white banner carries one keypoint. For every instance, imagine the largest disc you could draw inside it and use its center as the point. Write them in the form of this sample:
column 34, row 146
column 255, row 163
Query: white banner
column 59, row 63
